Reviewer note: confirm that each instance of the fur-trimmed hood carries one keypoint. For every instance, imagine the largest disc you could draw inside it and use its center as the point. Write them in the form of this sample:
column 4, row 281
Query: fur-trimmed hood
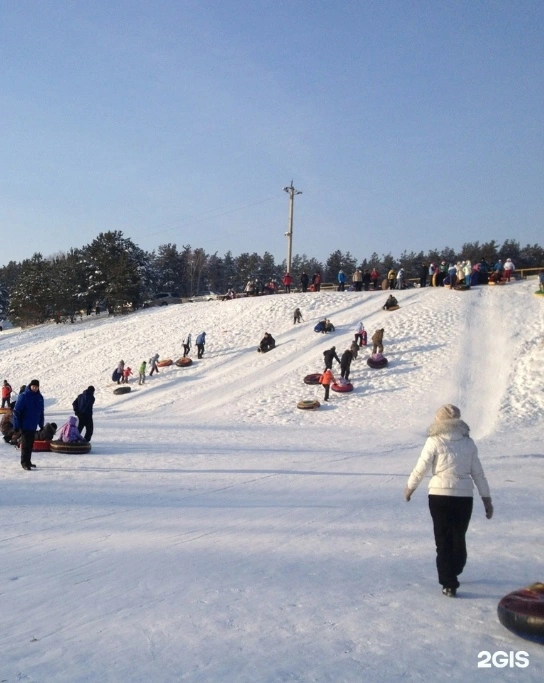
column 449, row 429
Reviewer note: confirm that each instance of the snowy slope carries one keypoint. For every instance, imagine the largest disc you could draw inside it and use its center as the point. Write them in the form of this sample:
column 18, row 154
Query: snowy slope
column 217, row 533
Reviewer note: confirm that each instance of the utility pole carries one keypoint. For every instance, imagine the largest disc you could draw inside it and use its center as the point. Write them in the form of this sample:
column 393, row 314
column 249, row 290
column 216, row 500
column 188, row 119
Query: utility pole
column 289, row 234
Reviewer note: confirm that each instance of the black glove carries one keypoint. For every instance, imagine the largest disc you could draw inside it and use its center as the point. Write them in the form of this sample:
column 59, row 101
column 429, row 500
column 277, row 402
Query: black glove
column 488, row 505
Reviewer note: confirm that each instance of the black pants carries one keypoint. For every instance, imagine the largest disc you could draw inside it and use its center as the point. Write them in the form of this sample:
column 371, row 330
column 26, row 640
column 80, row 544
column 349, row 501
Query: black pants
column 5, row 402
column 200, row 348
column 87, row 422
column 186, row 349
column 327, row 388
column 154, row 368
column 344, row 372
column 27, row 442
column 451, row 517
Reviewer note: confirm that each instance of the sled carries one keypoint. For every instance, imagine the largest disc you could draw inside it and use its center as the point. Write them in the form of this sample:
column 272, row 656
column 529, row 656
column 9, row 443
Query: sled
column 377, row 361
column 75, row 447
column 342, row 387
column 308, row 404
column 122, row 390
column 522, row 612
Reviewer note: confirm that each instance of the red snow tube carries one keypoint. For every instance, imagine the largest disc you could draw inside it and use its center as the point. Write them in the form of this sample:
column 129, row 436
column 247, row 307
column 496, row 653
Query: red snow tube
column 348, row 386
column 165, row 363
column 75, row 447
column 41, row 446
column 522, row 612
column 377, row 361
column 184, row 362
column 312, row 379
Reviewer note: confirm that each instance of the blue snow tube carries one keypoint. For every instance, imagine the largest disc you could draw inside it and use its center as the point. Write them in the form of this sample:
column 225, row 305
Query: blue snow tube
column 319, row 327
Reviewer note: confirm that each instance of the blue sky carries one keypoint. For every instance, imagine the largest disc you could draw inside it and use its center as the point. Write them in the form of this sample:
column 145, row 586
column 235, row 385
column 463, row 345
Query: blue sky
column 406, row 124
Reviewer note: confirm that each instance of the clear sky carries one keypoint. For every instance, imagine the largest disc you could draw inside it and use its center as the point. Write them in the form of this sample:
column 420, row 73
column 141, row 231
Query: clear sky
column 407, row 124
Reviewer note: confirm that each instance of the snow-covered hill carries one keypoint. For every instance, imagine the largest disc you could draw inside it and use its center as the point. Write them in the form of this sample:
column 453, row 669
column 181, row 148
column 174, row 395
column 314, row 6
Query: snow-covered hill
column 217, row 533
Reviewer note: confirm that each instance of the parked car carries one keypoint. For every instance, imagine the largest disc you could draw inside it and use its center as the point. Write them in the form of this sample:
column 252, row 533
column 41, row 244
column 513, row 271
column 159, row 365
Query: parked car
column 163, row 299
column 205, row 296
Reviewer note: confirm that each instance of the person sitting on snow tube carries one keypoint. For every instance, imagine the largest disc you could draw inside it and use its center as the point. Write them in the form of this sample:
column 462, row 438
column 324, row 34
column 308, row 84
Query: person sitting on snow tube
column 391, row 301
column 47, row 433
column 320, row 327
column 329, row 327
column 69, row 433
column 267, row 342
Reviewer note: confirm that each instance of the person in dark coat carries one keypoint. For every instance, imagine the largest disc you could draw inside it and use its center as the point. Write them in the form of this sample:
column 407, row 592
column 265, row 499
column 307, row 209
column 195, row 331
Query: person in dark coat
column 47, row 433
column 200, row 344
column 423, row 272
column 27, row 415
column 267, row 343
column 304, row 281
column 345, row 364
column 329, row 356
column 83, row 409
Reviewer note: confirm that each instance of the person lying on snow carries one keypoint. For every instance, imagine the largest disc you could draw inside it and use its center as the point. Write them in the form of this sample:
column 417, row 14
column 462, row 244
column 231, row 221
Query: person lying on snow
column 69, row 433
column 267, row 342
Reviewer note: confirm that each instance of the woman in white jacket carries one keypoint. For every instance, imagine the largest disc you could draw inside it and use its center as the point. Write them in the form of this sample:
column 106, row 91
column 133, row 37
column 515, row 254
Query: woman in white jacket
column 453, row 456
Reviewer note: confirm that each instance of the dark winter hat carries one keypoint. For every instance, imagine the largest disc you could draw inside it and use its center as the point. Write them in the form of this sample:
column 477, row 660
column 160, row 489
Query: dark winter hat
column 35, row 383
column 54, row 425
column 90, row 389
column 447, row 412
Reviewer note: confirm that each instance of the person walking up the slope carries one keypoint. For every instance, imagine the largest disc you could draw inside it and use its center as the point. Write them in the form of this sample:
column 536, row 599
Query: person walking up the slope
column 153, row 362
column 28, row 414
column 200, row 344
column 360, row 334
column 453, row 457
column 377, row 341
column 297, row 316
column 345, row 364
column 141, row 372
column 326, row 379
column 187, row 345
column 328, row 356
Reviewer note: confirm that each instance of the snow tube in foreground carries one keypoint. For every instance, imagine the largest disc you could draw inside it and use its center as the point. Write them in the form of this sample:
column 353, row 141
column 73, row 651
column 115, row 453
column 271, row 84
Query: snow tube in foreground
column 41, row 446
column 4, row 410
column 75, row 447
column 312, row 379
column 308, row 404
column 184, row 362
column 377, row 361
column 522, row 612
column 165, row 363
column 122, row 390
column 347, row 386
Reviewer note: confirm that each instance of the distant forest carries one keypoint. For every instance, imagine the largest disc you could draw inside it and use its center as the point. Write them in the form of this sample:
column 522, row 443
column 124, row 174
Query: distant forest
column 113, row 271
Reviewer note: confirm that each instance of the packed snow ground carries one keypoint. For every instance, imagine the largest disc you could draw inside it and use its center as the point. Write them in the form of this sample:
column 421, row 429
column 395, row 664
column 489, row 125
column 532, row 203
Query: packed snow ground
column 217, row 533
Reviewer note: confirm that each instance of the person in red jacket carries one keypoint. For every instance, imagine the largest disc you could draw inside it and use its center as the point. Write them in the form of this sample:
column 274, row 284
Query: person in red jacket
column 287, row 282
column 326, row 379
column 6, row 393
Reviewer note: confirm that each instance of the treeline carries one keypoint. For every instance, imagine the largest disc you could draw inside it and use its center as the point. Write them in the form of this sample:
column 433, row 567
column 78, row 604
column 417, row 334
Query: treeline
column 113, row 271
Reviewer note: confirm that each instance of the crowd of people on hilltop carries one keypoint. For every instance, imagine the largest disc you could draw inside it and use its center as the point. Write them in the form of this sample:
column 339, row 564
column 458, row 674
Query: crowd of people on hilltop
column 366, row 279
